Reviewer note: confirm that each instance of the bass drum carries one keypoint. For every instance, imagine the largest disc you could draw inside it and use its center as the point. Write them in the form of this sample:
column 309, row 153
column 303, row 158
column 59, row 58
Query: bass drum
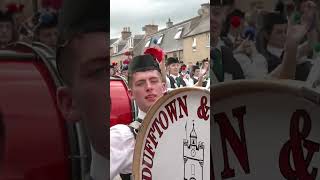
column 123, row 110
column 265, row 130
column 36, row 141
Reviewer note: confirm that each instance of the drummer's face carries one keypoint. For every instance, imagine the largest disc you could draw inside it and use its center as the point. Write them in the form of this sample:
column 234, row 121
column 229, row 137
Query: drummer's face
column 146, row 89
column 86, row 98
column 217, row 15
column 5, row 32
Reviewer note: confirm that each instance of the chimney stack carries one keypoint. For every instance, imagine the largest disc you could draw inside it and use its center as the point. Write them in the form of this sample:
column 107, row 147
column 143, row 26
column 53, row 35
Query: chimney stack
column 150, row 29
column 169, row 23
column 125, row 34
column 204, row 10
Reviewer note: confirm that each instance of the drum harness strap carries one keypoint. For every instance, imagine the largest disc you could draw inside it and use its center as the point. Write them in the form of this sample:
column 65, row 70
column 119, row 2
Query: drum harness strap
column 134, row 127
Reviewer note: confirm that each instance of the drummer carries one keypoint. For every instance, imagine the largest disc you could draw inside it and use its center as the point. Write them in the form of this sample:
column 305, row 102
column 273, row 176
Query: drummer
column 83, row 97
column 145, row 87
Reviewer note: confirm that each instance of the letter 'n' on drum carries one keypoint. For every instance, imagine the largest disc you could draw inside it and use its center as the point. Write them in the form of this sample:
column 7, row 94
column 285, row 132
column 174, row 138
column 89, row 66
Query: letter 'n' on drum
column 265, row 130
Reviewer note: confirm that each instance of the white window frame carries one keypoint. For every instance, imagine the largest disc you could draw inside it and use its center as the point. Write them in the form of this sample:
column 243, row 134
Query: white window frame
column 179, row 33
column 194, row 44
column 160, row 40
column 208, row 37
column 116, row 48
column 131, row 42
column 148, row 43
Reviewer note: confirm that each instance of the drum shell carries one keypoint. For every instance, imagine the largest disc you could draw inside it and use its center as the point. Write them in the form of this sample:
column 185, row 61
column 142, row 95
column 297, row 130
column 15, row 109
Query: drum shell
column 122, row 108
column 36, row 142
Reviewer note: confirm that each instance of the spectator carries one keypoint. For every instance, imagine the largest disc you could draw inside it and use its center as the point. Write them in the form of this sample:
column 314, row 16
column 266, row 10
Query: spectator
column 7, row 29
column 46, row 30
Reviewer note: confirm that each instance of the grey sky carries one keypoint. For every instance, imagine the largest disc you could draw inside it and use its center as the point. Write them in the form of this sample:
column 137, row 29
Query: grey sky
column 137, row 13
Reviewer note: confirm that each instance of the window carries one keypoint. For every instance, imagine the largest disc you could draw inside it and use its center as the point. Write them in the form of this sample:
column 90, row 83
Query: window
column 131, row 42
column 174, row 54
column 178, row 34
column 194, row 44
column 148, row 43
column 116, row 48
column 160, row 39
column 192, row 169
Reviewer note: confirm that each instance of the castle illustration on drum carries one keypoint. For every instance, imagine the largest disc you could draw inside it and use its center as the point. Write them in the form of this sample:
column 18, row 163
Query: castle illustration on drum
column 193, row 156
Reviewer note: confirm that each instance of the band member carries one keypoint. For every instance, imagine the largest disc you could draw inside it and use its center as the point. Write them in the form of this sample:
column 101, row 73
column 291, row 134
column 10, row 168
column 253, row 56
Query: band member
column 46, row 31
column 145, row 87
column 224, row 66
column 84, row 95
column 195, row 74
column 7, row 29
column 174, row 79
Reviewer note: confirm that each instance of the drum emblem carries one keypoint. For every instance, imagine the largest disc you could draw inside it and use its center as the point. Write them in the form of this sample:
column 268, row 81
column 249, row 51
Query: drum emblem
column 193, row 156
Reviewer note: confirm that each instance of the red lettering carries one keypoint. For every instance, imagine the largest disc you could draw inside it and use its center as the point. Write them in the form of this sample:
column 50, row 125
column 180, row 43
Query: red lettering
column 147, row 160
column 294, row 147
column 152, row 137
column 171, row 109
column 183, row 105
column 155, row 126
column 238, row 145
column 164, row 124
column 146, row 174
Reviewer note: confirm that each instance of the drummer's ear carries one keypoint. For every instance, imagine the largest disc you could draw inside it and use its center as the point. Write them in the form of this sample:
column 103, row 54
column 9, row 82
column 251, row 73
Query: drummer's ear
column 130, row 94
column 66, row 104
column 164, row 87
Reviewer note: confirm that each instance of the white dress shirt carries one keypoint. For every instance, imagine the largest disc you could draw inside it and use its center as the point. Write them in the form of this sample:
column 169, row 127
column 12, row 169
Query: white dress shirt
column 254, row 67
column 122, row 142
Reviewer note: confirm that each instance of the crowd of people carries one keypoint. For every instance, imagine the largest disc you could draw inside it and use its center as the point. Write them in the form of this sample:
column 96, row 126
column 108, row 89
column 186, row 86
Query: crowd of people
column 41, row 27
column 177, row 74
column 258, row 44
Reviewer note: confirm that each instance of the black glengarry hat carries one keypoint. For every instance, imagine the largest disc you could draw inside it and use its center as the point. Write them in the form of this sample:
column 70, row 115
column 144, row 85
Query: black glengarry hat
column 172, row 60
column 143, row 63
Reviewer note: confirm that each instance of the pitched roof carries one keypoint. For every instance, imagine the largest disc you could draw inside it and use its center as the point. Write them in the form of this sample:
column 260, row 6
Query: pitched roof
column 113, row 41
column 123, row 45
column 202, row 26
column 168, row 43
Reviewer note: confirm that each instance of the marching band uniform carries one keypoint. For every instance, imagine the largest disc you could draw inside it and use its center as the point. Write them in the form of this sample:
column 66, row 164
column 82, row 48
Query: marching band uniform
column 122, row 137
column 172, row 80
column 224, row 66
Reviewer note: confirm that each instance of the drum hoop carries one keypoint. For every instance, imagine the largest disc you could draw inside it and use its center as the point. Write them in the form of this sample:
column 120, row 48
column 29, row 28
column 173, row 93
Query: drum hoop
column 241, row 87
column 146, row 122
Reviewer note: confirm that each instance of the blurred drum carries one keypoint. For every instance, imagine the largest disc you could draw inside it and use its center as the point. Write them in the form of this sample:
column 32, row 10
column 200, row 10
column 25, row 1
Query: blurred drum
column 122, row 108
column 265, row 130
column 173, row 142
column 37, row 143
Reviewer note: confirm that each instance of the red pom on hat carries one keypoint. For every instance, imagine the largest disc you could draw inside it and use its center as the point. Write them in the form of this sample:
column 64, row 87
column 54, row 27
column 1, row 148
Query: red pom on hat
column 235, row 21
column 127, row 53
column 157, row 53
column 12, row 8
column 126, row 61
column 183, row 68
